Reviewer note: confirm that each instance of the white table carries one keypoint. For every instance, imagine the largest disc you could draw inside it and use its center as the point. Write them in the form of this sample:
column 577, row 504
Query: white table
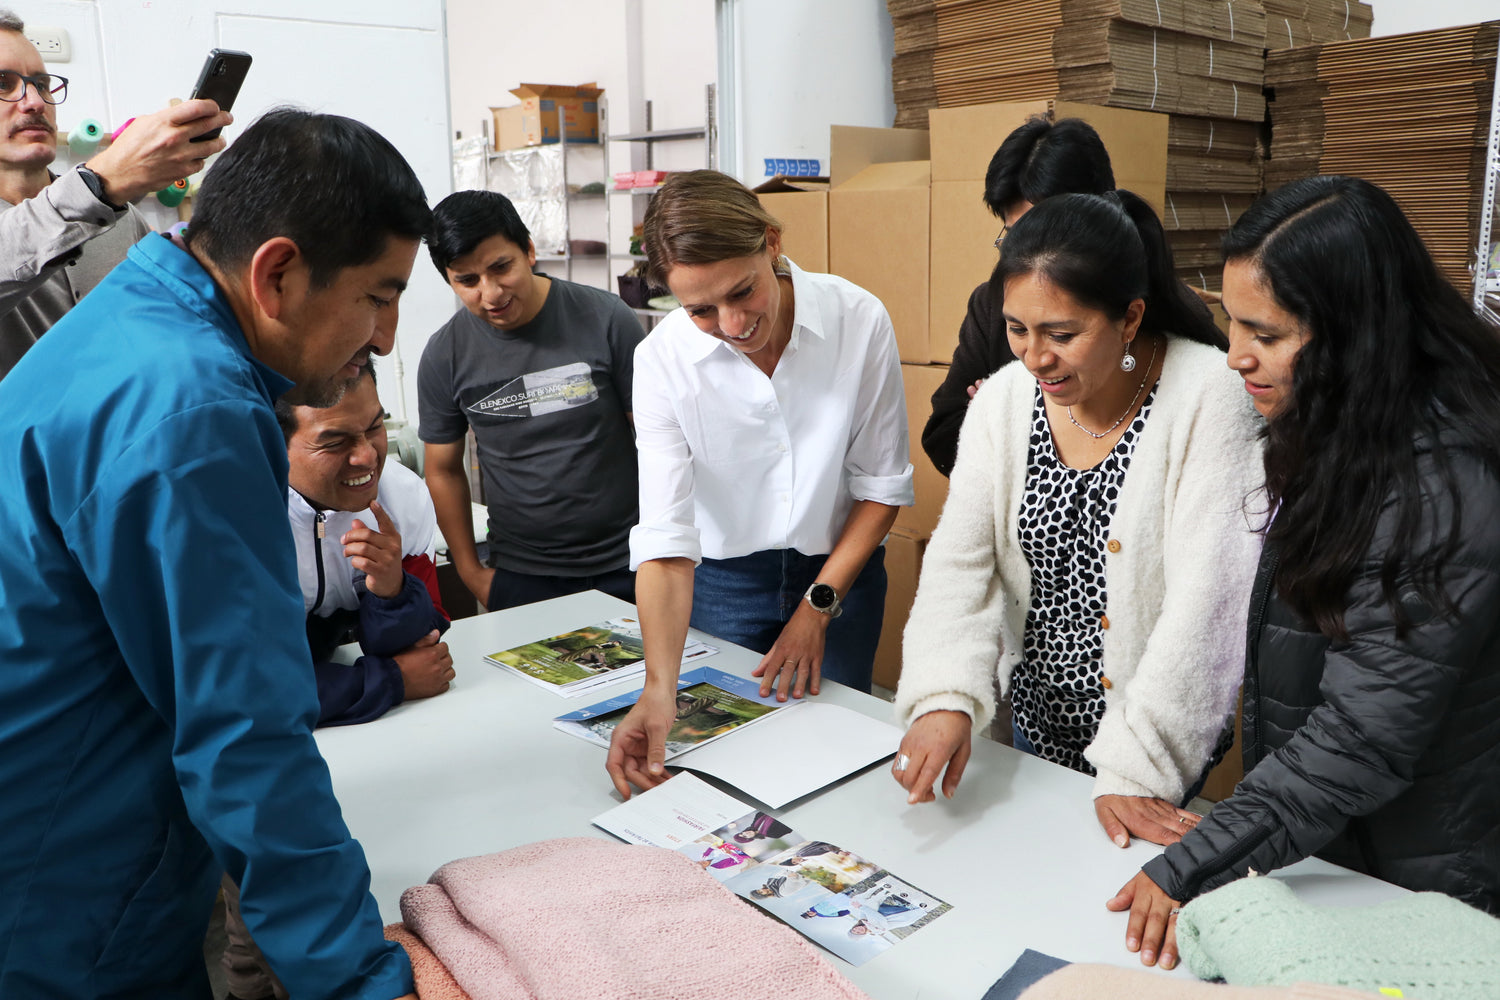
column 1018, row 852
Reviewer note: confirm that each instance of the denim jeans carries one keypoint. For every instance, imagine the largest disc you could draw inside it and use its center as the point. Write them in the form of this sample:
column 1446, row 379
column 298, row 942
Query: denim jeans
column 747, row 600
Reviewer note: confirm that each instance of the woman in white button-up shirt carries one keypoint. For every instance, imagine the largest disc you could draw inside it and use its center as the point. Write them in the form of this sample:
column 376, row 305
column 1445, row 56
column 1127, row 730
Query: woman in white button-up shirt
column 771, row 429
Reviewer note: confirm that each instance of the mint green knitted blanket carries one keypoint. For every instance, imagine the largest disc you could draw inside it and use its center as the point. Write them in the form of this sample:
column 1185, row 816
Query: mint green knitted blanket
column 1427, row 946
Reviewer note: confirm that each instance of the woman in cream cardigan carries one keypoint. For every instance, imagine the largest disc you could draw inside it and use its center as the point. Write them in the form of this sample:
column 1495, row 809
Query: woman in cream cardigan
column 1105, row 558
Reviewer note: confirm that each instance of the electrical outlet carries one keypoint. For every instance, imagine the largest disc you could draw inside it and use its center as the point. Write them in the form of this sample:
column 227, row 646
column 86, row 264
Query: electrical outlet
column 52, row 43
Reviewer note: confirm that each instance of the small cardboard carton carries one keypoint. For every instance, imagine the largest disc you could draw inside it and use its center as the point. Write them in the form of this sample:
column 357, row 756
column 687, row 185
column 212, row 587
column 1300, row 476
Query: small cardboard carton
column 800, row 204
column 510, row 128
column 903, row 567
column 546, row 109
column 964, row 140
column 877, row 238
column 878, row 209
column 920, row 382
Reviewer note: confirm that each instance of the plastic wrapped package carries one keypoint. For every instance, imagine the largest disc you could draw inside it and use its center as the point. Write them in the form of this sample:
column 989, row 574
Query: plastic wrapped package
column 468, row 163
column 546, row 219
column 533, row 172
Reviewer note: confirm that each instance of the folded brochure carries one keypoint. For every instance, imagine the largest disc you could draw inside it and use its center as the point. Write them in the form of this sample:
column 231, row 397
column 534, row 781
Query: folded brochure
column 577, row 662
column 840, row 900
column 779, row 751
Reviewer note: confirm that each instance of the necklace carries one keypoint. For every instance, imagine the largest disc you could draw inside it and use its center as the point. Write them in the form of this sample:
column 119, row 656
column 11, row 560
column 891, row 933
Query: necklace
column 1133, row 400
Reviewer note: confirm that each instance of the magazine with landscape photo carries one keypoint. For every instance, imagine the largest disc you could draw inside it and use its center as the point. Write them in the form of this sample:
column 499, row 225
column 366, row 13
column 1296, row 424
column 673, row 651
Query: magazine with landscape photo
column 710, row 704
column 576, row 662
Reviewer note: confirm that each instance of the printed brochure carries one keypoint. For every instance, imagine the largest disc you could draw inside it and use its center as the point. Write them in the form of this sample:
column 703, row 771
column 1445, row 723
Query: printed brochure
column 577, row 662
column 776, row 752
column 838, row 899
column 710, row 704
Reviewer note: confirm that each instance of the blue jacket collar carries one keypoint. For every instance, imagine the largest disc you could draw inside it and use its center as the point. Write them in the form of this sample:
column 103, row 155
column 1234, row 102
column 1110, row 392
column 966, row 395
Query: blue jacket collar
column 181, row 274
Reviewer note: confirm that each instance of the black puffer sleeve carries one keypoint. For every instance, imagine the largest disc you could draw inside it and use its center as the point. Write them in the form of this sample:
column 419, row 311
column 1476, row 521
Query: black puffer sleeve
column 1384, row 703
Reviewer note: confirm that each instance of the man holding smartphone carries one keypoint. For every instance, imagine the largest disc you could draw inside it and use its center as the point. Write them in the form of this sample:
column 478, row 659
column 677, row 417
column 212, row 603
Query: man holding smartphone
column 62, row 234
column 157, row 698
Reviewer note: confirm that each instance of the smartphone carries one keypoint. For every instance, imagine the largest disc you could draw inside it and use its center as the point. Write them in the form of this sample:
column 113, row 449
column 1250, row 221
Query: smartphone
column 223, row 72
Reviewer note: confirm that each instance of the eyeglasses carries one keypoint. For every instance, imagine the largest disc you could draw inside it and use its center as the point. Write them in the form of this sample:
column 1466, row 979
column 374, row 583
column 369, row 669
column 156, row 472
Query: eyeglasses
column 1001, row 238
column 52, row 89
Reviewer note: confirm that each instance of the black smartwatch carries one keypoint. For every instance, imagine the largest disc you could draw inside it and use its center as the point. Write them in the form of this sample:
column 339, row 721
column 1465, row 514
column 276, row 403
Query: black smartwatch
column 95, row 185
column 824, row 599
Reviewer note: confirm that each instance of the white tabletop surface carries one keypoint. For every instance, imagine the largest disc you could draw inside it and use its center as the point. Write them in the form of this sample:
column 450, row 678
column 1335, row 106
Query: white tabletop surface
column 1018, row 852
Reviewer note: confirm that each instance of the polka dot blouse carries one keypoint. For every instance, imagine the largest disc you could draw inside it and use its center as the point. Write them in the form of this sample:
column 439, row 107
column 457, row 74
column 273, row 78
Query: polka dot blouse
column 1057, row 690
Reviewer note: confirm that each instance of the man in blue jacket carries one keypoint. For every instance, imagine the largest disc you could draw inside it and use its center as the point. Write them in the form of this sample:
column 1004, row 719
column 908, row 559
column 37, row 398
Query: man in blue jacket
column 157, row 699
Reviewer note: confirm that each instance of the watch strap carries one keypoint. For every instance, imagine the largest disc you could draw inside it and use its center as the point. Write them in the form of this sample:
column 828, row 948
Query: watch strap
column 95, row 184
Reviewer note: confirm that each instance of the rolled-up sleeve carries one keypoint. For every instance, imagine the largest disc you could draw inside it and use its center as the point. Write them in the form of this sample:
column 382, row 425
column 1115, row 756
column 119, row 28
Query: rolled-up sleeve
column 877, row 460
column 666, row 529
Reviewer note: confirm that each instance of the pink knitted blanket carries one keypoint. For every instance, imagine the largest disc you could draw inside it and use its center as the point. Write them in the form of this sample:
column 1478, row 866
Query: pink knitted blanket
column 583, row 917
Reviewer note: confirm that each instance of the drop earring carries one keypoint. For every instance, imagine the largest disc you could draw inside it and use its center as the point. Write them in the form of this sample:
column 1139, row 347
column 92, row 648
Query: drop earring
column 1127, row 363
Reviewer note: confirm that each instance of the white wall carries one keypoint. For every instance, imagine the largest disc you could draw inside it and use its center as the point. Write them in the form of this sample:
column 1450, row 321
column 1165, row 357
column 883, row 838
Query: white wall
column 380, row 61
column 1396, row 17
column 801, row 67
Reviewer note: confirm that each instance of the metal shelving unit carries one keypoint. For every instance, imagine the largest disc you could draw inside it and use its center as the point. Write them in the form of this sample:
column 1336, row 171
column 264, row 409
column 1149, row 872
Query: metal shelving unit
column 707, row 132
column 568, row 198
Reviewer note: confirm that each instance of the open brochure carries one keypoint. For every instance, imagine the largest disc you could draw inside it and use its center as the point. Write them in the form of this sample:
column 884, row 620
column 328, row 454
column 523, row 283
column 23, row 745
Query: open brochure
column 840, row 900
column 776, row 752
column 577, row 662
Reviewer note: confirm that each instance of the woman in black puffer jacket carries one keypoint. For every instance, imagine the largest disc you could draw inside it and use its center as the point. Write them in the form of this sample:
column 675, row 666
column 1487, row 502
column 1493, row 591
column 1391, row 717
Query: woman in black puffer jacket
column 1372, row 689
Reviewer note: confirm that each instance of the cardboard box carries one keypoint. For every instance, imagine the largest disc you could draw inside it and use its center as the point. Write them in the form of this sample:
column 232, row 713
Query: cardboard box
column 801, row 206
column 544, row 110
column 963, row 230
column 903, row 567
column 963, row 255
column 878, row 239
column 920, row 382
column 509, row 131
column 854, row 147
column 965, row 139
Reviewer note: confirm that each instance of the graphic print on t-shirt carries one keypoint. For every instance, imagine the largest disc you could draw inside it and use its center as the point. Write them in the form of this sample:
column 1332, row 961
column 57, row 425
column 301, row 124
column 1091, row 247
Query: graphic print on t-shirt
column 540, row 392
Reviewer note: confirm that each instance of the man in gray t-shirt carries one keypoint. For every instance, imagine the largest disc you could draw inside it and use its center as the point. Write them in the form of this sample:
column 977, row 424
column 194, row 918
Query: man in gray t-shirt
column 540, row 368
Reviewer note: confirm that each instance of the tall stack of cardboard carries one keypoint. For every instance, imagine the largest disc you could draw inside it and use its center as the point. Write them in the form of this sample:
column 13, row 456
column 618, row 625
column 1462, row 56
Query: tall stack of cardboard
column 914, row 27
column 1203, row 63
column 951, row 53
column 1290, row 23
column 1408, row 112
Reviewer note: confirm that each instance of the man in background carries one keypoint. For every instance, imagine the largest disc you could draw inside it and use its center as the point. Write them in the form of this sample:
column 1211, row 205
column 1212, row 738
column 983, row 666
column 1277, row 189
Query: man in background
column 62, row 234
column 541, row 370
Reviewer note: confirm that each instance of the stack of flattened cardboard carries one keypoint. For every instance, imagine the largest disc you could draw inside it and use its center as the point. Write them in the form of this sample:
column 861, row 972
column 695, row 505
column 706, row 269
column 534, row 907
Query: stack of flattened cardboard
column 1408, row 112
column 914, row 25
column 1203, row 64
column 954, row 53
column 1124, row 54
column 1290, row 23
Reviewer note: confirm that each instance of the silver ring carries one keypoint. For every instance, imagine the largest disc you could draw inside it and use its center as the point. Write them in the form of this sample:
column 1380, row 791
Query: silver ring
column 1175, row 910
column 902, row 761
